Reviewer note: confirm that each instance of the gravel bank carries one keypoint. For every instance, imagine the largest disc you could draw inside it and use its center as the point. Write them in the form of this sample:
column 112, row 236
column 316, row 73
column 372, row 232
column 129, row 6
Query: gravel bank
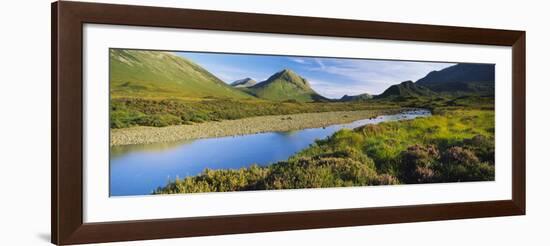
column 146, row 135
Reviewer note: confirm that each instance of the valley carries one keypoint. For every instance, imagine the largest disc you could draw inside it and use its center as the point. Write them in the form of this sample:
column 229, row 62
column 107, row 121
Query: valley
column 160, row 99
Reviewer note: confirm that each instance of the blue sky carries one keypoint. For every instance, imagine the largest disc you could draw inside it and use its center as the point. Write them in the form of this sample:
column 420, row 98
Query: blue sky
column 330, row 77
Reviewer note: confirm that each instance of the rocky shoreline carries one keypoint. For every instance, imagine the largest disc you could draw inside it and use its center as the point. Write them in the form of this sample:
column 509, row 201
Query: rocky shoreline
column 148, row 135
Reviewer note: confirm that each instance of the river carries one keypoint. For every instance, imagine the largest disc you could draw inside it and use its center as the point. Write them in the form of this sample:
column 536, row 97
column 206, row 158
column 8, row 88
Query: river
column 140, row 169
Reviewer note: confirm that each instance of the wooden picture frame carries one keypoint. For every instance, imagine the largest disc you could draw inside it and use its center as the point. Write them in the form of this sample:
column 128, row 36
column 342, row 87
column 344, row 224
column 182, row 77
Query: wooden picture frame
column 67, row 122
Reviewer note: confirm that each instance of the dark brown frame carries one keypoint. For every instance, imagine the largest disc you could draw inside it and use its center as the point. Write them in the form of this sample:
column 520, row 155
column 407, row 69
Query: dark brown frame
column 66, row 219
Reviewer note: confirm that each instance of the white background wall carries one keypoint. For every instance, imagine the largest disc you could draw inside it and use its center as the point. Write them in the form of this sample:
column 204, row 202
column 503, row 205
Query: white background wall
column 25, row 122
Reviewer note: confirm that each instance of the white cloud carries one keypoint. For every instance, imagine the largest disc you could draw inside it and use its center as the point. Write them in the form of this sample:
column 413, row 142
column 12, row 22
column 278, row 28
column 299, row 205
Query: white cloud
column 299, row 60
column 230, row 74
column 332, row 77
column 376, row 75
column 320, row 63
column 334, row 90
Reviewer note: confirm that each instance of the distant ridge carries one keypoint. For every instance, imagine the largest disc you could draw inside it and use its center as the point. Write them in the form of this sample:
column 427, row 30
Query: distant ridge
column 158, row 74
column 406, row 89
column 356, row 98
column 246, row 82
column 461, row 78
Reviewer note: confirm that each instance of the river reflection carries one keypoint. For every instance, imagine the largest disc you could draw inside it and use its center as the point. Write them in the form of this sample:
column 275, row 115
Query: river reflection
column 139, row 169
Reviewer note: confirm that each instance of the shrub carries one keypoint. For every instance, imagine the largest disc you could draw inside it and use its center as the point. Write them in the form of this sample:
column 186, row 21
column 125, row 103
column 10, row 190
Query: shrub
column 482, row 146
column 452, row 146
column 417, row 164
column 218, row 181
column 123, row 118
column 216, row 109
column 341, row 169
column 386, row 179
column 459, row 155
column 158, row 120
column 459, row 164
column 330, row 170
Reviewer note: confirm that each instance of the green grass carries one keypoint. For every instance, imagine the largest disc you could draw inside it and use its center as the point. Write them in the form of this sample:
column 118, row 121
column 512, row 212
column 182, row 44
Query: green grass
column 128, row 112
column 406, row 89
column 442, row 102
column 284, row 85
column 385, row 142
column 281, row 91
column 452, row 146
column 154, row 88
column 162, row 75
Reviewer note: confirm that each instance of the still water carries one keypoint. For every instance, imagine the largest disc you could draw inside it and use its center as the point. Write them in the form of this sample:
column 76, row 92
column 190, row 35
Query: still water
column 140, row 169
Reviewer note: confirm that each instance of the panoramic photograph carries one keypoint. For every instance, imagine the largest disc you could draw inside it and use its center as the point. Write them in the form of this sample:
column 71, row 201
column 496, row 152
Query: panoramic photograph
column 197, row 122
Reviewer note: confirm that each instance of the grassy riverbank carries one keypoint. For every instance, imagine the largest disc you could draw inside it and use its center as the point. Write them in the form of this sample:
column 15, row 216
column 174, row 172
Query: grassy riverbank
column 130, row 112
column 451, row 146
column 146, row 135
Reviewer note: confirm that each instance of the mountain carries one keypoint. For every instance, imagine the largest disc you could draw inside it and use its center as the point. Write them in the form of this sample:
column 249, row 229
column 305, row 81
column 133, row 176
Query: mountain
column 462, row 78
column 406, row 89
column 285, row 85
column 356, row 98
column 247, row 82
column 157, row 74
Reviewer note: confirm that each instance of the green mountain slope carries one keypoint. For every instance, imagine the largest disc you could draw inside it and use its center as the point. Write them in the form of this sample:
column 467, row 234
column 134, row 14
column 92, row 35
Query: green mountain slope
column 406, row 89
column 247, row 82
column 356, row 98
column 462, row 78
column 285, row 85
column 157, row 74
